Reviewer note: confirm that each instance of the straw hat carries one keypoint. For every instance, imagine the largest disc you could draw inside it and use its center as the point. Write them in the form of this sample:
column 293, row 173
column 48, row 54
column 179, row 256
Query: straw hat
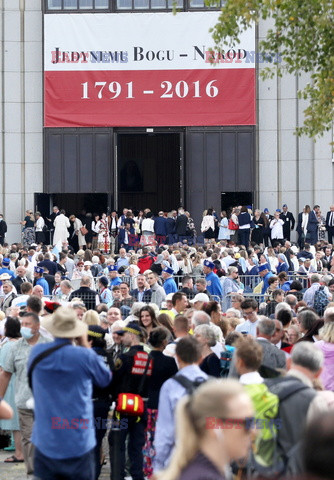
column 64, row 324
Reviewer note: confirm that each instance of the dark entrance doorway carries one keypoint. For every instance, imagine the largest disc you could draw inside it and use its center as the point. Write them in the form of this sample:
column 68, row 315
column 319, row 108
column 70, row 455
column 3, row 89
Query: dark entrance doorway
column 77, row 202
column 149, row 167
column 234, row 199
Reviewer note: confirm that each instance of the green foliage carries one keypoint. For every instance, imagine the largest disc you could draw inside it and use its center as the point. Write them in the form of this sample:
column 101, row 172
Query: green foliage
column 303, row 35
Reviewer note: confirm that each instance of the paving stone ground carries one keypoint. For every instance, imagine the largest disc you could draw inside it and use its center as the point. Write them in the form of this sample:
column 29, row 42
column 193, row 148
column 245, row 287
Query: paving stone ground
column 16, row 471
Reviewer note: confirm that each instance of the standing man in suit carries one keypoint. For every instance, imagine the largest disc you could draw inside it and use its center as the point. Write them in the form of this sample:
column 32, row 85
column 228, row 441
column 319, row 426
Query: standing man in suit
column 266, row 229
column 160, row 228
column 170, row 228
column 20, row 278
column 330, row 224
column 181, row 225
column 289, row 222
column 312, row 226
column 3, row 229
column 328, row 257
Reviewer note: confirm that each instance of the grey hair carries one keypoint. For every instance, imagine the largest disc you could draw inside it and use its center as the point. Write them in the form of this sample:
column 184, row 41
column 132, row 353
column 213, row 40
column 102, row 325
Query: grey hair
column 231, row 270
column 307, row 318
column 326, row 279
column 315, row 278
column 206, row 332
column 306, row 355
column 291, row 300
column 66, row 283
column 235, row 312
column 266, row 326
column 282, row 306
column 200, row 318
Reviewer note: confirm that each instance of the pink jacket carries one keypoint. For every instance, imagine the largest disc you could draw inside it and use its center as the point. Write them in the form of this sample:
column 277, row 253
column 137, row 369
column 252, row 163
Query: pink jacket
column 327, row 376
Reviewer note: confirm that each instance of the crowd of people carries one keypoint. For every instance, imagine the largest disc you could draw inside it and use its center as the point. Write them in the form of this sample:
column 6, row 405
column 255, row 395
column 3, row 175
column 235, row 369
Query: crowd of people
column 196, row 360
column 134, row 229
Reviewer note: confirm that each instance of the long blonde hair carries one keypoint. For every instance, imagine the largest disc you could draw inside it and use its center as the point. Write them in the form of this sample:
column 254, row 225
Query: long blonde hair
column 327, row 332
column 193, row 412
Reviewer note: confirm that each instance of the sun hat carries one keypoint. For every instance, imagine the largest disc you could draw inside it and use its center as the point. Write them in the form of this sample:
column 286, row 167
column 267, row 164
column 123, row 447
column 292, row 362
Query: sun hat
column 65, row 324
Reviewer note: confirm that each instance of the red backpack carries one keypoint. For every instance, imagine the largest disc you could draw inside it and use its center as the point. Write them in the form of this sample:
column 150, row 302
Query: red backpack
column 145, row 263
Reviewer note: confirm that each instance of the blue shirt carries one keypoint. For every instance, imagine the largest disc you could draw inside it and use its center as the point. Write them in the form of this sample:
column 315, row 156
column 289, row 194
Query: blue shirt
column 265, row 281
column 170, row 286
column 6, row 270
column 122, row 262
column 44, row 284
column 62, row 384
column 170, row 393
column 115, row 281
column 106, row 296
column 213, row 284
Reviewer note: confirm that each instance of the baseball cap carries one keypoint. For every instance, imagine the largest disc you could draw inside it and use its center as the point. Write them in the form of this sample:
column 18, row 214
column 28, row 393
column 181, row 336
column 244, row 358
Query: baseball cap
column 131, row 327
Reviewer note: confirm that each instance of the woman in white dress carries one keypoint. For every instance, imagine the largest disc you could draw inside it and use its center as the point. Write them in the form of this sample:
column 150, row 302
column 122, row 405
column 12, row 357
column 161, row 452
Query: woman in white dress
column 208, row 225
column 95, row 231
column 224, row 232
column 103, row 240
column 77, row 225
column 61, row 224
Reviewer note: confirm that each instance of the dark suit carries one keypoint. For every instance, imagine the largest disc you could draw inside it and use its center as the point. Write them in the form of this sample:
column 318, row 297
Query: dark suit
column 146, row 297
column 51, row 226
column 181, row 226
column 51, row 266
column 160, row 229
column 289, row 224
column 17, row 282
column 272, row 356
column 170, row 229
column 3, row 231
column 330, row 226
column 327, row 261
column 312, row 228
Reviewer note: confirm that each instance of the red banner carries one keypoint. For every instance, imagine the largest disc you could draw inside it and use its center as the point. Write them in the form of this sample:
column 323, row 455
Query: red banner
column 150, row 98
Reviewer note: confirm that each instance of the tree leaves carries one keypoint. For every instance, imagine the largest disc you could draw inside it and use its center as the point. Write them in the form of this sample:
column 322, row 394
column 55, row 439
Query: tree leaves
column 302, row 35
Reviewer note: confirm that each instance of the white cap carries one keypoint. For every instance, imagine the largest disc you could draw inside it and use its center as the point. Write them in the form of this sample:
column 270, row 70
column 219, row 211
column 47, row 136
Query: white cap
column 169, row 297
column 200, row 297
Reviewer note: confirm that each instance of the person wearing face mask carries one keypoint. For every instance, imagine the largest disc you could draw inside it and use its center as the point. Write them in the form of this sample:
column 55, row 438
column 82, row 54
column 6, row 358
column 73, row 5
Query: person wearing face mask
column 3, row 230
column 16, row 362
column 205, row 447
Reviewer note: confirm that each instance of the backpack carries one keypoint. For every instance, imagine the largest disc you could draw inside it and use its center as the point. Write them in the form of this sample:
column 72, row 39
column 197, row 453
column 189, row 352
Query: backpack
column 266, row 406
column 189, row 385
column 225, row 360
column 265, row 460
column 320, row 301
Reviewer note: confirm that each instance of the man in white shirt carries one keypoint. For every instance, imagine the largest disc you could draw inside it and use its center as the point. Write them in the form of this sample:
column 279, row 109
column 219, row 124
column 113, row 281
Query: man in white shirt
column 249, row 309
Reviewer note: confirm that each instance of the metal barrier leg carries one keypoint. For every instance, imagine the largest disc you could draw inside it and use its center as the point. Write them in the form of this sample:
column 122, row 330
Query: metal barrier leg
column 115, row 473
